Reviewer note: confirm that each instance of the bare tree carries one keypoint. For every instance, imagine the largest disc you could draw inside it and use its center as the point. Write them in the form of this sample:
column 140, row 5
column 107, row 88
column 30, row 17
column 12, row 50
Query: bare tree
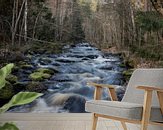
column 16, row 18
column 25, row 20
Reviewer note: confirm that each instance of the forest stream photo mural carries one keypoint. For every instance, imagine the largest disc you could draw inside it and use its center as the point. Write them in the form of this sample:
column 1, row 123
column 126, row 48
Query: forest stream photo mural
column 51, row 50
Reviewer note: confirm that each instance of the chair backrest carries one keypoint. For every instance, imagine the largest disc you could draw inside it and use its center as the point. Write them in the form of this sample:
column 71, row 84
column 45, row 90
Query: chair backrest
column 146, row 77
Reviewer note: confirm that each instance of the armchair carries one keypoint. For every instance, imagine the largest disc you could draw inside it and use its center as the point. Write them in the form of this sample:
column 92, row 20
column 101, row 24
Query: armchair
column 138, row 107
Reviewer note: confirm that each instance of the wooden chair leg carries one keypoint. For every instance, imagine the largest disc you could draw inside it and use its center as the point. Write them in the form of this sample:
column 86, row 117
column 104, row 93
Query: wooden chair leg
column 146, row 110
column 160, row 98
column 94, row 123
column 144, row 126
column 124, row 125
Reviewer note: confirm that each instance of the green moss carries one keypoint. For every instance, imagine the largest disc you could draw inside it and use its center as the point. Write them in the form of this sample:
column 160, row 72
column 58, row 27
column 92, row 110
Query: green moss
column 26, row 66
column 39, row 76
column 12, row 78
column 122, row 65
column 127, row 73
column 7, row 92
column 54, row 48
column 21, row 63
column 44, row 70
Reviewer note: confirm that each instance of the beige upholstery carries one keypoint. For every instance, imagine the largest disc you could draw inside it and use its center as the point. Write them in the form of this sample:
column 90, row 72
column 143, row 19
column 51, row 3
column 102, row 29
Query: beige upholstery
column 143, row 77
column 131, row 111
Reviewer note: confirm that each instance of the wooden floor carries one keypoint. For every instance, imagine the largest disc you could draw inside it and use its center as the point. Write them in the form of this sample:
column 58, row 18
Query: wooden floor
column 53, row 121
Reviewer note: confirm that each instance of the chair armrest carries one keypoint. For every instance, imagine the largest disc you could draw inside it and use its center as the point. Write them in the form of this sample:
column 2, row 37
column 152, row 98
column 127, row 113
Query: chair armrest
column 148, row 88
column 98, row 87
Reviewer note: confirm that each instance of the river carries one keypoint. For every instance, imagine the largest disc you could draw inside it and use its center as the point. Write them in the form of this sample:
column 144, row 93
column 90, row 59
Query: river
column 67, row 89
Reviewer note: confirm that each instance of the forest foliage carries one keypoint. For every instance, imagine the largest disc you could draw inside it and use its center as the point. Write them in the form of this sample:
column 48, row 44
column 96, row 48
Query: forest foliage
column 130, row 26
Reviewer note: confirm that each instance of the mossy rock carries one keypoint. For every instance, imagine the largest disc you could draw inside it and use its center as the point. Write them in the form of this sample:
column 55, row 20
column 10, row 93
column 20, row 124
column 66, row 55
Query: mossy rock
column 36, row 87
column 39, row 76
column 12, row 78
column 19, row 86
column 7, row 92
column 45, row 70
column 21, row 63
column 26, row 66
column 127, row 73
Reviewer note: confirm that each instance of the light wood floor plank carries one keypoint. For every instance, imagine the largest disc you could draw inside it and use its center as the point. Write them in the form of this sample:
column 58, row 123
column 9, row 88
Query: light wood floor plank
column 57, row 121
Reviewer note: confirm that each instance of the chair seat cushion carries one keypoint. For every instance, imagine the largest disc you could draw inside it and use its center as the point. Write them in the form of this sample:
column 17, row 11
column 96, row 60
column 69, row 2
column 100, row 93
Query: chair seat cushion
column 131, row 111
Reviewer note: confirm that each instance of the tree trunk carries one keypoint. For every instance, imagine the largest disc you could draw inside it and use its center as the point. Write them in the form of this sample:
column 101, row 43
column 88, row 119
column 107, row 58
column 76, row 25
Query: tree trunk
column 25, row 20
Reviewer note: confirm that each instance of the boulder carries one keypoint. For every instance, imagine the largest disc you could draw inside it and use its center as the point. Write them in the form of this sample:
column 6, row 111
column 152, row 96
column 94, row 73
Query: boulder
column 19, row 86
column 35, row 87
column 73, row 103
column 7, row 92
column 12, row 78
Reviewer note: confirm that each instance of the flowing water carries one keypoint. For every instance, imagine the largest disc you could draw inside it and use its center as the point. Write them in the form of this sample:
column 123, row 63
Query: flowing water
column 67, row 89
